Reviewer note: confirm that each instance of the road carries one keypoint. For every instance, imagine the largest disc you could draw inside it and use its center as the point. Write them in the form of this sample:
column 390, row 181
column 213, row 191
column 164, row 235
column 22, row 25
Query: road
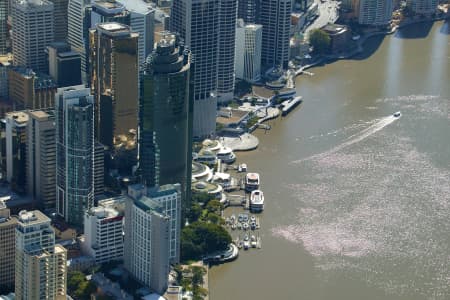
column 328, row 13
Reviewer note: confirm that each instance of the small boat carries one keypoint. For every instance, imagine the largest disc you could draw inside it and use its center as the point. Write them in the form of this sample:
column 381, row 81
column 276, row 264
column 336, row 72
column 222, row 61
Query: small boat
column 245, row 217
column 253, row 238
column 239, row 225
column 233, row 218
column 245, row 226
column 253, row 243
column 252, row 219
column 240, row 244
column 242, row 168
column 228, row 221
column 397, row 114
column 246, row 245
column 253, row 225
column 246, row 237
column 257, row 201
column 240, row 218
column 233, row 226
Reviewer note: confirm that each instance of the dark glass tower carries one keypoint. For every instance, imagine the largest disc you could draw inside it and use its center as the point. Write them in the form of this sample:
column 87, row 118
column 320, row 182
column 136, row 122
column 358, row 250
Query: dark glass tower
column 166, row 110
column 248, row 10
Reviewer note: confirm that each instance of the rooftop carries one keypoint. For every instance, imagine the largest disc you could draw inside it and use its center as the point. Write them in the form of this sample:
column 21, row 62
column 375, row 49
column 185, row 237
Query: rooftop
column 113, row 27
column 32, row 217
column 19, row 117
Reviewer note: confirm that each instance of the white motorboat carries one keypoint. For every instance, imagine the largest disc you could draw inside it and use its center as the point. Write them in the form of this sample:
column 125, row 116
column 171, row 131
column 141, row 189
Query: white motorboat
column 251, row 182
column 226, row 155
column 257, row 201
column 397, row 114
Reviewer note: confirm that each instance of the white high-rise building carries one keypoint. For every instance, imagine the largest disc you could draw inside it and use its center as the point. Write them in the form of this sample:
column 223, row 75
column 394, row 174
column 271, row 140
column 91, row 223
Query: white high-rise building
column 248, row 51
column 275, row 17
column 169, row 198
column 77, row 30
column 33, row 31
column 424, row 7
column 225, row 58
column 41, row 265
column 197, row 23
column 375, row 12
column 146, row 253
column 103, row 234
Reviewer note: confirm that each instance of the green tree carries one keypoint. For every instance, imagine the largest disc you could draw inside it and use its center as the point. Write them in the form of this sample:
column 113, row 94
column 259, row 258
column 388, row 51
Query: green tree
column 201, row 238
column 320, row 41
column 203, row 198
column 197, row 275
column 214, row 206
column 194, row 213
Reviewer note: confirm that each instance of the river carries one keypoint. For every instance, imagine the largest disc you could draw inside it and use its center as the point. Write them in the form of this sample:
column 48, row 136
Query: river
column 357, row 201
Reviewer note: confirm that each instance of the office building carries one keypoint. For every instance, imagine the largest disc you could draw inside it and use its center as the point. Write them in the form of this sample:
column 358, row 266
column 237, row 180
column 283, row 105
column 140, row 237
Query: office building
column 7, row 247
column 142, row 21
column 74, row 150
column 114, row 83
column 248, row 10
column 60, row 19
column 226, row 50
column 275, row 18
column 197, row 23
column 4, row 67
column 423, row 7
column 64, row 64
column 33, row 30
column 103, row 234
column 146, row 251
column 248, row 51
column 41, row 158
column 375, row 12
column 77, row 32
column 40, row 265
column 30, row 90
column 3, row 26
column 166, row 112
column 168, row 197
column 104, row 11
column 99, row 169
column 15, row 141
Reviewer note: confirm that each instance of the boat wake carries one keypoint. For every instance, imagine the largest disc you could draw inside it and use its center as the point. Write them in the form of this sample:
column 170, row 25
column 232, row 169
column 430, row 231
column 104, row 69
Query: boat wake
column 356, row 138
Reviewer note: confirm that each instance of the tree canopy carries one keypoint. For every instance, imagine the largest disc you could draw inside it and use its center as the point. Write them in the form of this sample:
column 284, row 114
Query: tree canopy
column 201, row 238
column 320, row 41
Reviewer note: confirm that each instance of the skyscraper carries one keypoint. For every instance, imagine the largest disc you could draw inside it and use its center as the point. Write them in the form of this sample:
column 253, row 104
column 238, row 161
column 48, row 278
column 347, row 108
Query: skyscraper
column 146, row 249
column 425, row 7
column 3, row 26
column 41, row 158
column 32, row 21
column 74, row 146
column 40, row 268
column 166, row 111
column 275, row 17
column 248, row 51
column 64, row 64
column 60, row 16
column 197, row 23
column 225, row 57
column 7, row 247
column 77, row 35
column 375, row 12
column 114, row 82
column 248, row 10
column 15, row 131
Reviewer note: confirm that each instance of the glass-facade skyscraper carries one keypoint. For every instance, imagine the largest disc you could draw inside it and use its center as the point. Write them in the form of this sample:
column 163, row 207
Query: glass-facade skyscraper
column 166, row 109
column 74, row 153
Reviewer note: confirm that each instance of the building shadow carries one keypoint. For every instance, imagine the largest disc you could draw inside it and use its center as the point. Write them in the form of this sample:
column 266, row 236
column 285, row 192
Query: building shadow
column 445, row 28
column 415, row 31
column 369, row 47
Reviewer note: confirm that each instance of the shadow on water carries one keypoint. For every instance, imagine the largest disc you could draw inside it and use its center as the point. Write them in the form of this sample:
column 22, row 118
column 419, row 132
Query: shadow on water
column 370, row 47
column 414, row 31
column 445, row 29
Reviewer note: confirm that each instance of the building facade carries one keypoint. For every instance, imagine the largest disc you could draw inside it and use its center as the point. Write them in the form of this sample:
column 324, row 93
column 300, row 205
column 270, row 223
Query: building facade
column 225, row 57
column 41, row 158
column 103, row 234
column 77, row 32
column 248, row 10
column 166, row 112
column 114, row 83
column 64, row 64
column 7, row 247
column 424, row 7
column 197, row 24
column 248, row 51
column 33, row 25
column 275, row 18
column 3, row 26
column 15, row 142
column 168, row 197
column 60, row 19
column 74, row 150
column 146, row 252
column 40, row 264
column 375, row 12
